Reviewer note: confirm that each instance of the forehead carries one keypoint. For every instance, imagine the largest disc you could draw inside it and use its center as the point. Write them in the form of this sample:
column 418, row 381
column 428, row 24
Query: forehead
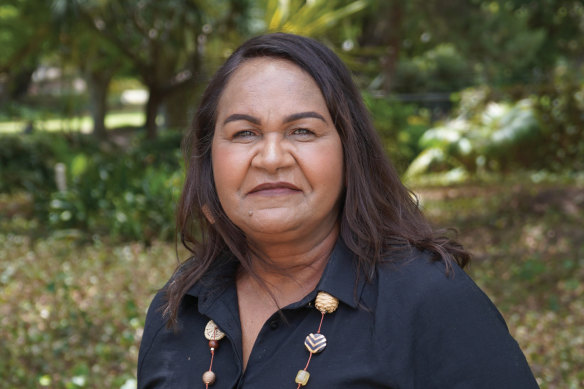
column 269, row 81
column 255, row 69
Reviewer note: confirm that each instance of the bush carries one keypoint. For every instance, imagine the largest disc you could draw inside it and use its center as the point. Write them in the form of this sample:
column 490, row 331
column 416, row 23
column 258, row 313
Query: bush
column 399, row 125
column 536, row 128
column 441, row 69
column 125, row 193
column 128, row 197
column 26, row 163
column 544, row 132
column 560, row 110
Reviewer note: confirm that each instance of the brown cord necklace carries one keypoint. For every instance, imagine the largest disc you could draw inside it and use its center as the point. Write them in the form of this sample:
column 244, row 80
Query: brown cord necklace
column 314, row 343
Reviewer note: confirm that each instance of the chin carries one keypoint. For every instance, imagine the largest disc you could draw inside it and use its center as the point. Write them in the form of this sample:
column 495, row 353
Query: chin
column 272, row 227
column 270, row 224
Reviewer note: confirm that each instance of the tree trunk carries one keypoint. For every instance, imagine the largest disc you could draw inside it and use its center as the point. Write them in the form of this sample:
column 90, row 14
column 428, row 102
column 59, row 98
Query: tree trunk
column 98, row 85
column 155, row 98
column 178, row 107
column 383, row 27
column 394, row 39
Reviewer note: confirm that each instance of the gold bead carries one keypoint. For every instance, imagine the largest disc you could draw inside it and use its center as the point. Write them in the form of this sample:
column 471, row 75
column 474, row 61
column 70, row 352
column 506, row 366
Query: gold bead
column 326, row 303
column 212, row 331
column 302, row 377
column 209, row 377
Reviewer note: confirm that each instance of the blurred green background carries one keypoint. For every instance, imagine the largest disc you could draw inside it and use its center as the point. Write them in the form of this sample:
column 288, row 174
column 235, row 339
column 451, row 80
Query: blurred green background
column 479, row 103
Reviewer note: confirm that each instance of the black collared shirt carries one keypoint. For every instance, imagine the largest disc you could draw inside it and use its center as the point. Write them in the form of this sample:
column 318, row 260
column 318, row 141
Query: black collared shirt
column 411, row 327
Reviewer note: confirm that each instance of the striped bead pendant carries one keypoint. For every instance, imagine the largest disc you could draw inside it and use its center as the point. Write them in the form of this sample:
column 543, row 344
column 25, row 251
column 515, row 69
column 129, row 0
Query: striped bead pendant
column 315, row 343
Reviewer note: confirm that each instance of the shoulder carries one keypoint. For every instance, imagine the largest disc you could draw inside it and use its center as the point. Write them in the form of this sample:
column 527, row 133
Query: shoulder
column 421, row 290
column 420, row 280
column 417, row 266
column 451, row 331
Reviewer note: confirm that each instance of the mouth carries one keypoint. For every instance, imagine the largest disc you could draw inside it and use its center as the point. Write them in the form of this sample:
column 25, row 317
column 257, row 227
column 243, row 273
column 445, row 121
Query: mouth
column 274, row 188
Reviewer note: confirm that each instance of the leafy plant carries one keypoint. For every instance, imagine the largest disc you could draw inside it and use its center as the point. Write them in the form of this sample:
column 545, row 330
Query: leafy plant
column 399, row 125
column 128, row 197
column 128, row 194
column 308, row 17
column 485, row 135
column 440, row 69
column 559, row 107
column 26, row 163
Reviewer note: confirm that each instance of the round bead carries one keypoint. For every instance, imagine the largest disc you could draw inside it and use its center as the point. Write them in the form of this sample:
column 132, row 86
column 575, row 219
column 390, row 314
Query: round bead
column 208, row 377
column 212, row 331
column 326, row 303
column 213, row 344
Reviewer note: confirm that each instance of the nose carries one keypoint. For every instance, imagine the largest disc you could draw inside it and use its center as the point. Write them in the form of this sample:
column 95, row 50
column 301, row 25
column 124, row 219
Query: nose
column 273, row 153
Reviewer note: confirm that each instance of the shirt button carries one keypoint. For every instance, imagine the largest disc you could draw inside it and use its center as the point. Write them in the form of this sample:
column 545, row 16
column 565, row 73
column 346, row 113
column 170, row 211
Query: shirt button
column 274, row 323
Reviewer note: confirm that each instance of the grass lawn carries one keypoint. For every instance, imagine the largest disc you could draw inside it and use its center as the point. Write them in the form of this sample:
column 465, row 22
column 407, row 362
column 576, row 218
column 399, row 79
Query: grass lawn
column 80, row 123
column 72, row 310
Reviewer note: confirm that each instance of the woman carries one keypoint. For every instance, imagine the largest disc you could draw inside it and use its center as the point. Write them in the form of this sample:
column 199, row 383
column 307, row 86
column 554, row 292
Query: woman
column 311, row 263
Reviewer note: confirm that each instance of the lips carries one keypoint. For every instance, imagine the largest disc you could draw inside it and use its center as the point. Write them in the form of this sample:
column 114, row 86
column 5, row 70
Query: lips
column 274, row 188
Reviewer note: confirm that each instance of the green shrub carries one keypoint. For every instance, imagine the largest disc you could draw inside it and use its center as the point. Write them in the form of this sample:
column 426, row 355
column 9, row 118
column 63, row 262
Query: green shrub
column 441, row 69
column 127, row 195
column 399, row 125
column 26, row 163
column 124, row 193
column 560, row 110
column 537, row 130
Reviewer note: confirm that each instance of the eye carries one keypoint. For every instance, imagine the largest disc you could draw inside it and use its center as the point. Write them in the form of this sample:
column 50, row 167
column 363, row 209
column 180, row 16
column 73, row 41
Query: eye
column 303, row 132
column 244, row 134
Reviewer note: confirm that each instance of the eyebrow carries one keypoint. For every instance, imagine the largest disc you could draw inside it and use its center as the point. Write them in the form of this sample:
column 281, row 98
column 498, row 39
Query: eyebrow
column 302, row 115
column 241, row 116
column 290, row 118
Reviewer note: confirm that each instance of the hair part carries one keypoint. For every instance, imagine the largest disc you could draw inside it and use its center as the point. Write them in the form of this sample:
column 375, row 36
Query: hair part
column 380, row 219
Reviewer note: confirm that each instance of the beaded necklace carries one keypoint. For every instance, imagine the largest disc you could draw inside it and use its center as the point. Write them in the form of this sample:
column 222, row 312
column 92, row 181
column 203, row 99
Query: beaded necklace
column 314, row 343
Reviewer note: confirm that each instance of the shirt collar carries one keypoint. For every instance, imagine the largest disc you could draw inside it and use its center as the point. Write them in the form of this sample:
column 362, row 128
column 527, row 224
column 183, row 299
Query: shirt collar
column 215, row 281
column 340, row 278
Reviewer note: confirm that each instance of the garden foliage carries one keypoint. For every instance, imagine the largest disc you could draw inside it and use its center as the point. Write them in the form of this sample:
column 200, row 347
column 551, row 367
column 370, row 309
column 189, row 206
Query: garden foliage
column 543, row 131
column 400, row 126
column 124, row 193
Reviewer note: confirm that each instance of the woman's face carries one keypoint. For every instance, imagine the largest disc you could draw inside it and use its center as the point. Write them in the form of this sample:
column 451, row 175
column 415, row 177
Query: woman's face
column 277, row 157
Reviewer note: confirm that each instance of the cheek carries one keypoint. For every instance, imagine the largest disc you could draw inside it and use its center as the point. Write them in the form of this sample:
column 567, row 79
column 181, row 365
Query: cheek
column 326, row 168
column 227, row 173
column 220, row 176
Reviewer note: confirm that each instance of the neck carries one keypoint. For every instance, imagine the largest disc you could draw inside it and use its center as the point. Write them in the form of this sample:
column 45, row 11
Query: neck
column 290, row 270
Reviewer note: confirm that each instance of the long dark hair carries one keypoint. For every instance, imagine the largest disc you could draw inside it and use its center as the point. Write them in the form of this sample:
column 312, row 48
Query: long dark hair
column 380, row 219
